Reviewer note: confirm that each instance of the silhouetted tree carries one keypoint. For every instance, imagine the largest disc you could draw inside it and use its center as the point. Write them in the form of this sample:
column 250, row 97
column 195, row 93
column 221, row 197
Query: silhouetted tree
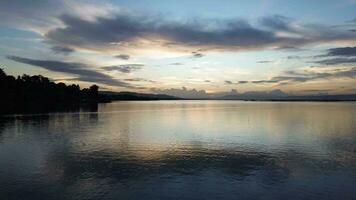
column 38, row 92
column 2, row 74
column 94, row 89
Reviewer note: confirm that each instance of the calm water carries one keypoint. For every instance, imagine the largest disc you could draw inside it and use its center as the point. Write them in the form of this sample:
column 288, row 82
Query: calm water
column 182, row 150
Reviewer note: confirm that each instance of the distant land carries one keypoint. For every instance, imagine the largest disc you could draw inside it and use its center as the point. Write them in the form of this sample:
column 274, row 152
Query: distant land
column 275, row 95
column 39, row 94
column 133, row 96
column 280, row 96
column 343, row 97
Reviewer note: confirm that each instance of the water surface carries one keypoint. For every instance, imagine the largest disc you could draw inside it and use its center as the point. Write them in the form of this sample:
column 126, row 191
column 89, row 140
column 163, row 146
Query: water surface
column 182, row 150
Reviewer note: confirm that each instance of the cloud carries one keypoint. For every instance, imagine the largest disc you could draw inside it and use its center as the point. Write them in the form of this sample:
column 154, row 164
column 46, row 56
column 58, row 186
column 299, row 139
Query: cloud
column 129, row 31
column 338, row 56
column 266, row 81
column 289, row 48
column 105, row 27
column 139, row 80
column 342, row 51
column 183, row 92
column 265, row 61
column 228, row 82
column 42, row 16
column 277, row 22
column 62, row 50
column 197, row 54
column 336, row 61
column 81, row 70
column 176, row 63
column 126, row 68
column 290, row 77
column 38, row 13
column 123, row 56
column 294, row 57
column 238, row 82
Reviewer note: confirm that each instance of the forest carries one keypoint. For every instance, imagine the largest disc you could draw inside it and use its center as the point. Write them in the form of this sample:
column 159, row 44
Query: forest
column 38, row 93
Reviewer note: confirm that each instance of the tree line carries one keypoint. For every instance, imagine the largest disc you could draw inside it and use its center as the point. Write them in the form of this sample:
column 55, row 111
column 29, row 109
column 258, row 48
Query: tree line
column 26, row 93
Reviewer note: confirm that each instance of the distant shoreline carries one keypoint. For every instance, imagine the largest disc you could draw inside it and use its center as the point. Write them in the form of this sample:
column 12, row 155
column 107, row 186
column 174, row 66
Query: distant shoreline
column 251, row 100
column 94, row 107
column 39, row 94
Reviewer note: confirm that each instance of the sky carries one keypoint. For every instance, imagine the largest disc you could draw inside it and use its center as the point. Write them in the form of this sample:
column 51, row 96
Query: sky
column 184, row 48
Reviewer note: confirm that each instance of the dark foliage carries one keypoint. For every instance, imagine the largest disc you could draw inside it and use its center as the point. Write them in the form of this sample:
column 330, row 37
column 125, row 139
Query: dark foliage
column 37, row 93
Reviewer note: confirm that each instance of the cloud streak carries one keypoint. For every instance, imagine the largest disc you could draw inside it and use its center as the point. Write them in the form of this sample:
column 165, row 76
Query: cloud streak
column 338, row 56
column 197, row 54
column 82, row 71
column 264, row 61
column 291, row 77
column 62, row 50
column 126, row 68
column 342, row 51
column 139, row 80
column 123, row 56
column 337, row 61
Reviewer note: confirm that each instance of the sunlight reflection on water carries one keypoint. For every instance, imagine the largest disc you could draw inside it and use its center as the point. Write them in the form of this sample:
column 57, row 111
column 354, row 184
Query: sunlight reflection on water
column 182, row 150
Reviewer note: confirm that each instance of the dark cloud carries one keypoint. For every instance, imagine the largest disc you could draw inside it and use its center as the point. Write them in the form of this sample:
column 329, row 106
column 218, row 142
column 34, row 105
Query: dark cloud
column 176, row 63
column 207, row 81
column 294, row 57
column 37, row 13
column 265, row 61
column 294, row 77
column 126, row 29
column 342, row 51
column 81, row 70
column 337, row 61
column 338, row 56
column 264, row 81
column 277, row 22
column 62, row 50
column 70, row 27
column 238, row 82
column 197, row 54
column 126, row 68
column 289, row 48
column 123, row 56
column 139, row 80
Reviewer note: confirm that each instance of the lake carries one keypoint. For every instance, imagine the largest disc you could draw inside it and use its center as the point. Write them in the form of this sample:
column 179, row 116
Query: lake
column 182, row 150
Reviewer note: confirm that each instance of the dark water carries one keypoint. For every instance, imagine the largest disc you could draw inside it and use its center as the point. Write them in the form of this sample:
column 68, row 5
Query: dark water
column 182, row 150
